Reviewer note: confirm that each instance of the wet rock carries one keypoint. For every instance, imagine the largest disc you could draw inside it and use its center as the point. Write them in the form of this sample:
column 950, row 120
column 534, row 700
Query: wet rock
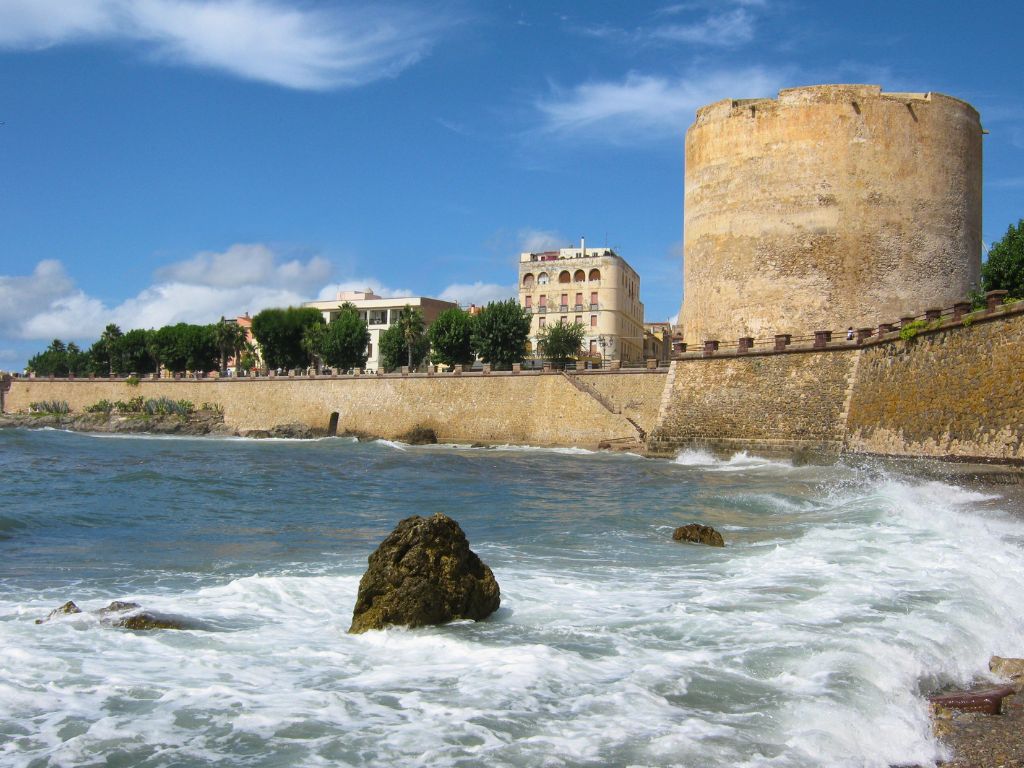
column 68, row 608
column 114, row 616
column 699, row 534
column 424, row 573
column 419, row 436
column 1009, row 668
column 146, row 620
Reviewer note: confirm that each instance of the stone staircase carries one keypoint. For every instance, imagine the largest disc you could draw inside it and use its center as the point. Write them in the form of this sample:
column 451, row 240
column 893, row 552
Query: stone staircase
column 608, row 405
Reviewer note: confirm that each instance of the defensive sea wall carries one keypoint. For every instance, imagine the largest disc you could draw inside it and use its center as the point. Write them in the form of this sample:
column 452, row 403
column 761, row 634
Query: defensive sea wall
column 536, row 408
column 955, row 390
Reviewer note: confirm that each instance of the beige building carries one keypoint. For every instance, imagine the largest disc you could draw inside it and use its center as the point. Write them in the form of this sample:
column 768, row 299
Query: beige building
column 379, row 313
column 591, row 286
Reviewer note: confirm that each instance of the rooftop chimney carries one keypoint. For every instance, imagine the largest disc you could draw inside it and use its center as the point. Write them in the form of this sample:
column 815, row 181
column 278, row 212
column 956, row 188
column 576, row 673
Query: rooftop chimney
column 583, row 246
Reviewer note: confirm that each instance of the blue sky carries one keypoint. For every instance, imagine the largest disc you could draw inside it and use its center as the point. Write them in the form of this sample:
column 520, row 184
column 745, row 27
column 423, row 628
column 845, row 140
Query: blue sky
column 168, row 160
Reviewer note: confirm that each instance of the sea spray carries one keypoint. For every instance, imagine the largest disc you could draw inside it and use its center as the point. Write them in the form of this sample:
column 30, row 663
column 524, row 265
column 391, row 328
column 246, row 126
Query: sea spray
column 843, row 595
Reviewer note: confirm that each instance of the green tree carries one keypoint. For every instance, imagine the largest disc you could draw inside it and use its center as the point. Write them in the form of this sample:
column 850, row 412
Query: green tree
column 561, row 342
column 313, row 340
column 451, row 338
column 201, row 347
column 103, row 352
column 230, row 339
column 1004, row 269
column 500, row 333
column 279, row 333
column 60, row 360
column 130, row 353
column 344, row 345
column 405, row 342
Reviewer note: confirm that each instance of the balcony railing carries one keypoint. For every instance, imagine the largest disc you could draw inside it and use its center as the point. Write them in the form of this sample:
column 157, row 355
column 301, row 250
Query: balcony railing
column 594, row 307
column 563, row 307
column 577, row 308
column 542, row 309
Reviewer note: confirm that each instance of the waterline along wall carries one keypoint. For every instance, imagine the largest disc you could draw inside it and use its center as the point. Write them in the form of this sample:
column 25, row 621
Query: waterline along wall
column 955, row 390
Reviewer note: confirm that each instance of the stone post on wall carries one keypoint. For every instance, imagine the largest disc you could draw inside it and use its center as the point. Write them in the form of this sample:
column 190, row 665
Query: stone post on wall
column 710, row 347
column 932, row 314
column 821, row 339
column 994, row 300
column 960, row 309
column 863, row 334
column 884, row 328
column 782, row 341
column 744, row 344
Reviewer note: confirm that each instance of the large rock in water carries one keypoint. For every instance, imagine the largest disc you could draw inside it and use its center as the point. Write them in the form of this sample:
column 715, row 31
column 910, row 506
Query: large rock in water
column 699, row 534
column 424, row 573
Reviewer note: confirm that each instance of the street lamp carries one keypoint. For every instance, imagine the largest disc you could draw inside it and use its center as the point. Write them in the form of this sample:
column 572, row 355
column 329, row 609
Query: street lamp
column 603, row 343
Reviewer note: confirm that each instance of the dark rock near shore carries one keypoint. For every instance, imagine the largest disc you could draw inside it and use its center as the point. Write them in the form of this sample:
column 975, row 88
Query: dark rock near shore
column 286, row 431
column 699, row 534
column 419, row 436
column 123, row 615
column 424, row 573
column 198, row 423
column 68, row 608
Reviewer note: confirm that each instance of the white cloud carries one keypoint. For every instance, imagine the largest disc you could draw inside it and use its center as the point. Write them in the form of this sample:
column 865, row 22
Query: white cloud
column 249, row 263
column 477, row 293
column 537, row 240
column 647, row 106
column 267, row 40
column 363, row 284
column 246, row 277
column 723, row 29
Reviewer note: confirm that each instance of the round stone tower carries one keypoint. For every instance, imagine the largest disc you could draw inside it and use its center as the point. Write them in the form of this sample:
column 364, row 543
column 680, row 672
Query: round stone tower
column 828, row 207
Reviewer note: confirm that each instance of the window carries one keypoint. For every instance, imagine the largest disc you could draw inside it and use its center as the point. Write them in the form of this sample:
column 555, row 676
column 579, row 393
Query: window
column 564, row 276
column 595, row 275
column 528, row 280
column 369, row 350
column 529, row 302
column 579, row 300
column 542, row 322
column 542, row 278
column 563, row 319
column 593, row 299
column 579, row 319
column 579, row 276
column 593, row 347
column 377, row 317
column 593, row 321
column 543, row 301
column 565, row 301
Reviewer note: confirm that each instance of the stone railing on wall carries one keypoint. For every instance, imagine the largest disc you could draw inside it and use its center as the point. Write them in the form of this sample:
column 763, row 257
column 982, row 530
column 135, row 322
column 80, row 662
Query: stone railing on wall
column 931, row 319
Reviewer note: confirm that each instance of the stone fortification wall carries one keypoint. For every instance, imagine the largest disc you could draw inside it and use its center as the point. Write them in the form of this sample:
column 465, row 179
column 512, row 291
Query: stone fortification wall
column 953, row 392
column 637, row 395
column 528, row 408
column 828, row 207
column 771, row 403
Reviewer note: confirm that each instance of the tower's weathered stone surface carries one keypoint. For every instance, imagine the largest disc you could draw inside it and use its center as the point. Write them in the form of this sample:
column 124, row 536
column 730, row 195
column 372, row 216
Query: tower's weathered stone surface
column 831, row 206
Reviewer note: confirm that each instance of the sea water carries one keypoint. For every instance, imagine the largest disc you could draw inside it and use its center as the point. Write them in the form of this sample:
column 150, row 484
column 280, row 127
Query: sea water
column 842, row 597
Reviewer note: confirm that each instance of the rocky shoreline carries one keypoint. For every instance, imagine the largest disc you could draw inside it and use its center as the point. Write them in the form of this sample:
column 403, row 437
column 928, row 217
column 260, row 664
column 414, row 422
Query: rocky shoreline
column 199, row 423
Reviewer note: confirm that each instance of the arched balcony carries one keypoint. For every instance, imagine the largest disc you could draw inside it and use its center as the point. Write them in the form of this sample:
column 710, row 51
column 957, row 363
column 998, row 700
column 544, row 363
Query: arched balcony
column 595, row 275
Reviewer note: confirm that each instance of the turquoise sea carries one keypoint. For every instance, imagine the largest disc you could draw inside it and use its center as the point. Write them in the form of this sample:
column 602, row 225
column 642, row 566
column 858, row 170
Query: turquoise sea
column 843, row 595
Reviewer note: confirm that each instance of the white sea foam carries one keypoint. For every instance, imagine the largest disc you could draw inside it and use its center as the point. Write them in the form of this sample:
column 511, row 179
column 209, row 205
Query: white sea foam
column 740, row 461
column 807, row 652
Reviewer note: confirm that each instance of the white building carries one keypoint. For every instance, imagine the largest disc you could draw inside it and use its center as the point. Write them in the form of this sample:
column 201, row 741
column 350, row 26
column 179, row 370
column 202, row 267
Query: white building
column 379, row 313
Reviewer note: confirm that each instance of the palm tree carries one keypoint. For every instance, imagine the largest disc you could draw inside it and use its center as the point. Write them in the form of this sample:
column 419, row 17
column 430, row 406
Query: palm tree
column 230, row 338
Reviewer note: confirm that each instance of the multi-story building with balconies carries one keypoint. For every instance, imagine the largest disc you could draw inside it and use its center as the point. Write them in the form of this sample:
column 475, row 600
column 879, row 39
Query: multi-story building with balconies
column 379, row 313
column 592, row 286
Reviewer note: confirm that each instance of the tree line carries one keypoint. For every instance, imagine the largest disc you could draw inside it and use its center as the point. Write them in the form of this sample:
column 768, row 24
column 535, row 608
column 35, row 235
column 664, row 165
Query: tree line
column 299, row 337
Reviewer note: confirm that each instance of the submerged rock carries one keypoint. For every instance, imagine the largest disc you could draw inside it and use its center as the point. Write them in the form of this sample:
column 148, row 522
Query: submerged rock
column 424, row 573
column 68, row 608
column 699, row 534
column 113, row 616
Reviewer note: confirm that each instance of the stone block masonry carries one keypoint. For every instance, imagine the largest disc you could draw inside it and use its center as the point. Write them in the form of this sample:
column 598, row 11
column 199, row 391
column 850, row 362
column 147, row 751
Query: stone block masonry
column 769, row 403
column 955, row 392
column 526, row 408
